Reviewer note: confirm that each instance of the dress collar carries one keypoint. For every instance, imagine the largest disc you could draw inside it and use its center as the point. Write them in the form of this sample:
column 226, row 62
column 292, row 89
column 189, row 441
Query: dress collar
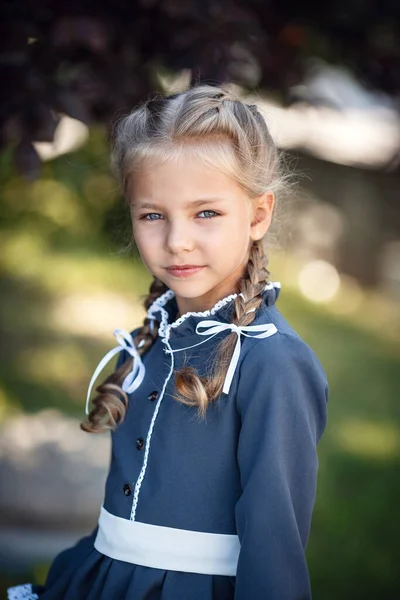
column 164, row 309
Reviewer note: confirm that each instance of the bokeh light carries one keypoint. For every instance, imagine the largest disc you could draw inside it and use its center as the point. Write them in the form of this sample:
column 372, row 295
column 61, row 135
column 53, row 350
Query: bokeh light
column 319, row 281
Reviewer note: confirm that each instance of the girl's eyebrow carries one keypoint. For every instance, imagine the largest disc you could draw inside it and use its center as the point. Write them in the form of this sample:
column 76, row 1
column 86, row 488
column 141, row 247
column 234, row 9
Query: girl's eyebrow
column 189, row 204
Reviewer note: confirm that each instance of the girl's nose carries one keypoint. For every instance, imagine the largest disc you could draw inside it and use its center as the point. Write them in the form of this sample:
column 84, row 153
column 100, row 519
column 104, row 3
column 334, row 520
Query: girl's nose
column 179, row 238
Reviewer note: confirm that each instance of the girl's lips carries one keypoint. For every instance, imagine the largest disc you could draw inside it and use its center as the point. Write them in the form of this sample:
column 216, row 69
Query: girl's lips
column 184, row 271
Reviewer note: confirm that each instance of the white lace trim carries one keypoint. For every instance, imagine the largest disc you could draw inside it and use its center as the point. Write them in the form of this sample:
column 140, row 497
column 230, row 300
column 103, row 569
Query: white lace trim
column 158, row 305
column 164, row 320
column 21, row 592
column 161, row 301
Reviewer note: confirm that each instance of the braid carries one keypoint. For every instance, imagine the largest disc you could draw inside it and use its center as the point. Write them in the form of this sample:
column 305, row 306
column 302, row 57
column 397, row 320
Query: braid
column 251, row 285
column 110, row 405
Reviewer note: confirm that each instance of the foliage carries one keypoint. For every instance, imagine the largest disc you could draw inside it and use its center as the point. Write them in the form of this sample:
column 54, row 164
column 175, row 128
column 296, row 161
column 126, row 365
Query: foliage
column 94, row 60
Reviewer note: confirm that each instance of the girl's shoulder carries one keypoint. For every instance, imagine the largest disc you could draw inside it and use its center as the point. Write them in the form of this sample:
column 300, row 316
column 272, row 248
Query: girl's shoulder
column 282, row 374
column 286, row 347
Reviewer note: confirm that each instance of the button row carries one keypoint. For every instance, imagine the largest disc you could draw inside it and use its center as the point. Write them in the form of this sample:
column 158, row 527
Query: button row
column 127, row 489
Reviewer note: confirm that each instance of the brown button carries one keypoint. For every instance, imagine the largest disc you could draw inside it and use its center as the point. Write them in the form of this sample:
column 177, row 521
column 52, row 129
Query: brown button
column 127, row 489
column 140, row 443
column 152, row 396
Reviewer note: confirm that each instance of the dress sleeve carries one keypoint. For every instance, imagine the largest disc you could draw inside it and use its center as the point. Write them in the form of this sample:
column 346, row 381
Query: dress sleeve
column 281, row 398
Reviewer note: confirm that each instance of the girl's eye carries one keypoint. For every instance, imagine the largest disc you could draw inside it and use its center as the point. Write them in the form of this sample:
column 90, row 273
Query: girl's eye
column 214, row 214
column 150, row 215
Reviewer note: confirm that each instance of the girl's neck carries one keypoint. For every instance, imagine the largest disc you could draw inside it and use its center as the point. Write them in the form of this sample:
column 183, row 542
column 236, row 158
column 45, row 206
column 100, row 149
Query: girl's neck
column 201, row 306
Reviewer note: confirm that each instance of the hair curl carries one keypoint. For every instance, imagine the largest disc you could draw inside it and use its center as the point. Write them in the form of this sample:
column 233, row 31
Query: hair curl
column 228, row 134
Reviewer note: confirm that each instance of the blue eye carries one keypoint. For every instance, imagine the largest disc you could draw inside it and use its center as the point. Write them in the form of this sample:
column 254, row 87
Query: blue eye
column 144, row 217
column 215, row 214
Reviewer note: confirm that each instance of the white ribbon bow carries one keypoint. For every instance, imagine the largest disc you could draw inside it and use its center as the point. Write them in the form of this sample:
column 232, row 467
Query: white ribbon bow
column 214, row 327
column 134, row 378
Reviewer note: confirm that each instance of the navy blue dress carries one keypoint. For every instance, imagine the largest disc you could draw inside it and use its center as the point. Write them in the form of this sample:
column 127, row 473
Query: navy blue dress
column 218, row 509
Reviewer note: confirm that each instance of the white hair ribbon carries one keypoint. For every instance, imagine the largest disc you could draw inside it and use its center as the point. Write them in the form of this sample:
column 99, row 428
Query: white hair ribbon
column 134, row 378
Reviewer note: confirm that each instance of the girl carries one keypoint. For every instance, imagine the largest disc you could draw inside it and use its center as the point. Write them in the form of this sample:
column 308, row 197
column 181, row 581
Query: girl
column 216, row 405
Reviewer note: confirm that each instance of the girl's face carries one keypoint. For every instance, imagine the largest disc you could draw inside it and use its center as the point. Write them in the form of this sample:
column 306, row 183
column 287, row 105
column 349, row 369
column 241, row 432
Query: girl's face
column 187, row 213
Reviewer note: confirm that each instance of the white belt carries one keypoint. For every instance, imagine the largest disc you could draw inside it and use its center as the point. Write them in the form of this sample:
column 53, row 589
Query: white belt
column 166, row 547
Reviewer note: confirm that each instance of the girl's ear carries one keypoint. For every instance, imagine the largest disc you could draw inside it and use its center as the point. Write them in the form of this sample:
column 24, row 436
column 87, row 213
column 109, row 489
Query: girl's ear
column 263, row 207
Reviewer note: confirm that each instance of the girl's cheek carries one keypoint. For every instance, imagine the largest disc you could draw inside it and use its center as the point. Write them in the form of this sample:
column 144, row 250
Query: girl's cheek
column 143, row 235
column 217, row 236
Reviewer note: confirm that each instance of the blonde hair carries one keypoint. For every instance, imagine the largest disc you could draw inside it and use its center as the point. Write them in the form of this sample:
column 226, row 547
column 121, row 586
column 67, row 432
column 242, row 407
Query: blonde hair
column 232, row 136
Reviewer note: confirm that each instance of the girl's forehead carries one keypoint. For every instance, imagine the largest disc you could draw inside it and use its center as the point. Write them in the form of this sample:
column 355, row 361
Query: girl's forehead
column 188, row 178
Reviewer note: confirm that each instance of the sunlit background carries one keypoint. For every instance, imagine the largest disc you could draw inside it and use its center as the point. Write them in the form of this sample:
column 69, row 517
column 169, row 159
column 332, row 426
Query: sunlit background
column 69, row 277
